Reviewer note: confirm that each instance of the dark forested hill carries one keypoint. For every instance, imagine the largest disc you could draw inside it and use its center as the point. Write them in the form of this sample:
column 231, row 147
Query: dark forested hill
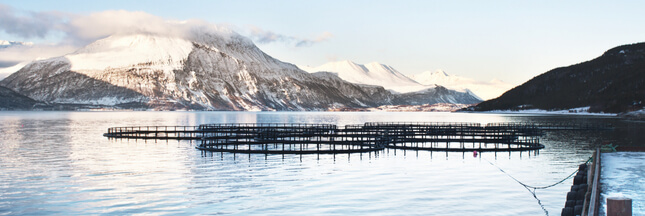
column 613, row 82
column 10, row 100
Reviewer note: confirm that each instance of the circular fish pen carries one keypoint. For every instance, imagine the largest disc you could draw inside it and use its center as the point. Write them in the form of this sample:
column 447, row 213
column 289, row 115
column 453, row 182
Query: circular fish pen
column 288, row 139
column 459, row 137
column 330, row 139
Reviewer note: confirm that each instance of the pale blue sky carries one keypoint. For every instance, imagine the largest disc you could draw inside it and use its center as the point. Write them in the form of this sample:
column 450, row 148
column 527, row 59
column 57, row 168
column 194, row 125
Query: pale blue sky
column 508, row 40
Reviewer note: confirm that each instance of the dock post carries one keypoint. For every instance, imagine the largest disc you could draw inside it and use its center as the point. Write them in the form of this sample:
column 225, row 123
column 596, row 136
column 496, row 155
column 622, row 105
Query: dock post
column 619, row 206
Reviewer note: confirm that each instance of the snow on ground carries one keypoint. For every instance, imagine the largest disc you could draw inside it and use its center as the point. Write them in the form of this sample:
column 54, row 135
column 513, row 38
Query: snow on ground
column 623, row 175
column 573, row 111
column 634, row 115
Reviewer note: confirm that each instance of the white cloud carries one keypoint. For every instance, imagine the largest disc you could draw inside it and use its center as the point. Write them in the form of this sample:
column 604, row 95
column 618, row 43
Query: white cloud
column 80, row 30
column 29, row 24
column 263, row 36
column 16, row 54
column 320, row 38
column 102, row 24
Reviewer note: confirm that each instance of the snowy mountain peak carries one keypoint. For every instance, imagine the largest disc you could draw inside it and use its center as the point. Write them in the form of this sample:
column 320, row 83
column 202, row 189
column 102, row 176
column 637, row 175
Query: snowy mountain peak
column 431, row 75
column 439, row 77
column 440, row 72
column 373, row 73
column 128, row 50
column 375, row 66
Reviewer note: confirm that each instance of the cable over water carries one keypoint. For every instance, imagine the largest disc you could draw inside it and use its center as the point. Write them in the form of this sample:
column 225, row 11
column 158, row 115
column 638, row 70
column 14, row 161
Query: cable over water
column 529, row 187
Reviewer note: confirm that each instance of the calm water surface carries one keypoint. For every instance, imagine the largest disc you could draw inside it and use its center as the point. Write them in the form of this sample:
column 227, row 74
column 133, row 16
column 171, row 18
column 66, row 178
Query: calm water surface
column 59, row 163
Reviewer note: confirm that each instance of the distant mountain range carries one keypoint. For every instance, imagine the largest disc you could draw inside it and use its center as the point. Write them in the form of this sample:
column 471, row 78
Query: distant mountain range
column 203, row 70
column 370, row 74
column 613, row 83
column 383, row 75
column 485, row 90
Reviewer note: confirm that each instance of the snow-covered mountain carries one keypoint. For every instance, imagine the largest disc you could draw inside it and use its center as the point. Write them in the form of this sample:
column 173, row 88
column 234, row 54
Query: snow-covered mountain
column 370, row 74
column 214, row 70
column 485, row 90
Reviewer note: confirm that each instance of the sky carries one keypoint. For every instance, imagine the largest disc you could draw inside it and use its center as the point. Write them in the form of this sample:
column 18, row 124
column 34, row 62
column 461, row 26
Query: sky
column 510, row 40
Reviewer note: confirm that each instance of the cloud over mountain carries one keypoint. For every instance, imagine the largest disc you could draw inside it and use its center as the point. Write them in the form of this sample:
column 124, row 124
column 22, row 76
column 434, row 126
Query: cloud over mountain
column 16, row 54
column 29, row 24
column 78, row 30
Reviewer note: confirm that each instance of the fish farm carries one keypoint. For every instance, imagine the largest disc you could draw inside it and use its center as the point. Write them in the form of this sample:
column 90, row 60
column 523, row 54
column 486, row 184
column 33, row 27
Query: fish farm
column 276, row 138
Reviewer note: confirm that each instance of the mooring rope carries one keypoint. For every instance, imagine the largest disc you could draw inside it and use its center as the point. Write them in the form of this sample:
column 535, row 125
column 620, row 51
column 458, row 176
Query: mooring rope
column 534, row 187
column 529, row 187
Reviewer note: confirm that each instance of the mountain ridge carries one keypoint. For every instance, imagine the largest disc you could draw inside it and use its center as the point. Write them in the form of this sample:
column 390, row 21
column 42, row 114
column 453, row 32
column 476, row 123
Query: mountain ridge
column 203, row 71
column 484, row 90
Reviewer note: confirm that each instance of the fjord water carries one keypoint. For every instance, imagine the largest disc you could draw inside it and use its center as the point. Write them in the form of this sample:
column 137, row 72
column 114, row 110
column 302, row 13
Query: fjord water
column 59, row 163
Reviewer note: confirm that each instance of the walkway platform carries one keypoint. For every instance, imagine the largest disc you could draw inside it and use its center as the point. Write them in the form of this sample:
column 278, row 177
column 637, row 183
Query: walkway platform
column 622, row 174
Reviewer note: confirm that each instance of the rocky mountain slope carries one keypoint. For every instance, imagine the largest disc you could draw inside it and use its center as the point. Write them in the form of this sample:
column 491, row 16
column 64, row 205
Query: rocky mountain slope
column 439, row 94
column 204, row 70
column 613, row 82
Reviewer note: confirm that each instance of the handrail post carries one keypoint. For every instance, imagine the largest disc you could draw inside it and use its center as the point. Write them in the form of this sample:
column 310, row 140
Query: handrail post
column 593, row 201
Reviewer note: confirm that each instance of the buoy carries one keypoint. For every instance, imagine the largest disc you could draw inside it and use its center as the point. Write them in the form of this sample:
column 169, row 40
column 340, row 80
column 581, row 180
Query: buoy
column 474, row 153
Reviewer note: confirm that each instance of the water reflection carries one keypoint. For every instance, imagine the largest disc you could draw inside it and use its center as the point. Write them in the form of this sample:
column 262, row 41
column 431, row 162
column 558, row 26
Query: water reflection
column 58, row 162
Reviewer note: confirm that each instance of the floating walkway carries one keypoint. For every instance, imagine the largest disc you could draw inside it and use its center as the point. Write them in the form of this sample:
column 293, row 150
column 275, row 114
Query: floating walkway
column 331, row 139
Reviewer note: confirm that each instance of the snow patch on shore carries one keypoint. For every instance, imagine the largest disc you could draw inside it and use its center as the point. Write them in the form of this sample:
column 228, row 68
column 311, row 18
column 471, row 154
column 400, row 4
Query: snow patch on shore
column 634, row 115
column 573, row 111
